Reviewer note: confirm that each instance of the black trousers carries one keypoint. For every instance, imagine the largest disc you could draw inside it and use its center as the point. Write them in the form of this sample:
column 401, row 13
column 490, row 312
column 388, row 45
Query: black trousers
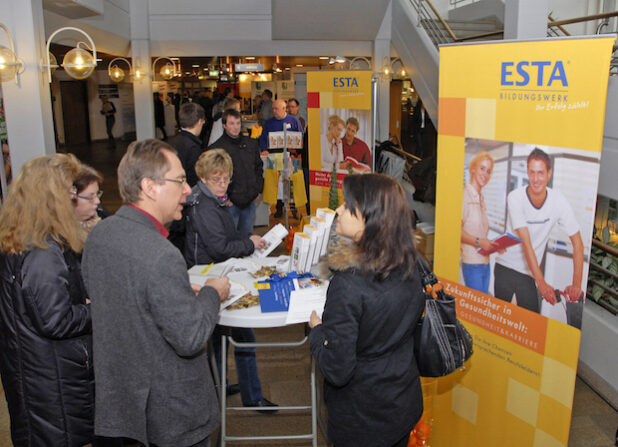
column 508, row 282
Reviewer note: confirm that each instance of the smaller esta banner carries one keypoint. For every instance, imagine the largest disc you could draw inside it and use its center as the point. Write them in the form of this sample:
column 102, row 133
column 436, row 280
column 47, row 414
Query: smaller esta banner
column 519, row 147
column 339, row 126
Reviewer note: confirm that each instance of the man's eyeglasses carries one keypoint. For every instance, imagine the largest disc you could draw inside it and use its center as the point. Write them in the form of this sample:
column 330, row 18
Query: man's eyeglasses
column 220, row 180
column 91, row 198
column 180, row 181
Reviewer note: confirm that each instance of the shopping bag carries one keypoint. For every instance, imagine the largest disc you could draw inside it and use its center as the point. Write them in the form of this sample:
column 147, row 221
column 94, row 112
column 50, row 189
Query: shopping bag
column 298, row 189
column 271, row 181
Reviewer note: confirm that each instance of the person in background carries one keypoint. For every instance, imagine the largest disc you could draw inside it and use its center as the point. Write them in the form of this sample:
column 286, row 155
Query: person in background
column 244, row 192
column 475, row 225
column 275, row 124
column 150, row 324
column 45, row 324
column 212, row 237
column 352, row 146
column 159, row 113
column 363, row 343
column 265, row 111
column 88, row 197
column 293, row 108
column 108, row 109
column 217, row 126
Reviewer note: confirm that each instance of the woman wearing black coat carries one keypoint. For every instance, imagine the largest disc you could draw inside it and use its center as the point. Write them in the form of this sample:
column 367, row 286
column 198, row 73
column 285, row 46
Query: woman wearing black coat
column 364, row 344
column 45, row 329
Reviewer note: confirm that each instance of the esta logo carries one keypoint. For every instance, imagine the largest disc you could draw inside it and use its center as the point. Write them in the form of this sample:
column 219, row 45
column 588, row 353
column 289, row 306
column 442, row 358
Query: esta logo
column 345, row 82
column 526, row 71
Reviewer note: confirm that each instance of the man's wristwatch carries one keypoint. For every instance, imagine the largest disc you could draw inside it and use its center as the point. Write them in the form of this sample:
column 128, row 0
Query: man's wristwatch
column 477, row 243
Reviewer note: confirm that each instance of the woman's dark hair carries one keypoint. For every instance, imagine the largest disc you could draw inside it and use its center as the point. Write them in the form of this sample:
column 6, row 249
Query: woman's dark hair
column 85, row 177
column 387, row 243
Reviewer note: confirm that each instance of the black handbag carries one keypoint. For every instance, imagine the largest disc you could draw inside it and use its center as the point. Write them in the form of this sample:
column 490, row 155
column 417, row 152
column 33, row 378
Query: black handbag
column 441, row 343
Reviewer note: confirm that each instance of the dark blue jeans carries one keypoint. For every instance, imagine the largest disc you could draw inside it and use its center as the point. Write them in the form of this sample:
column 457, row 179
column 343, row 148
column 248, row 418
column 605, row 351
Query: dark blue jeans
column 244, row 218
column 476, row 276
column 246, row 363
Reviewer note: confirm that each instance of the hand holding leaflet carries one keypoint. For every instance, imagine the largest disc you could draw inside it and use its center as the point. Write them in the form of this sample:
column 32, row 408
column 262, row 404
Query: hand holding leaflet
column 502, row 242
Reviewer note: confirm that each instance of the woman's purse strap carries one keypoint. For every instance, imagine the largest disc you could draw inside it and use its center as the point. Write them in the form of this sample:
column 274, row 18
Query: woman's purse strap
column 428, row 278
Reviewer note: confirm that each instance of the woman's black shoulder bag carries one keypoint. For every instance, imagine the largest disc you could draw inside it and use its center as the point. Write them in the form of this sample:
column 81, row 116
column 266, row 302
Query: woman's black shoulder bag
column 441, row 343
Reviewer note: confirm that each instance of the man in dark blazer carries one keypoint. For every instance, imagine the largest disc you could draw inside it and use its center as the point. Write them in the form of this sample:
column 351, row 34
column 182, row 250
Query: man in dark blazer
column 150, row 325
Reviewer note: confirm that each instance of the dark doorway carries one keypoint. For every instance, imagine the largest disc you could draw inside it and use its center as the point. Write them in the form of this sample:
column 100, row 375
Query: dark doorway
column 75, row 112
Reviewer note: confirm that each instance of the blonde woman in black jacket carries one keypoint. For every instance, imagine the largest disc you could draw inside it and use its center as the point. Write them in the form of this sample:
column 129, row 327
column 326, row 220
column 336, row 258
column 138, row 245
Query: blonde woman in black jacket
column 45, row 326
column 364, row 344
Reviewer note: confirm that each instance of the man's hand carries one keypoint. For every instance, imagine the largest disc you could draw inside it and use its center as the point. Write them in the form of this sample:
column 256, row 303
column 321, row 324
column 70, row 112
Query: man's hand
column 221, row 285
column 547, row 291
column 258, row 242
column 573, row 292
column 196, row 288
column 257, row 199
column 314, row 320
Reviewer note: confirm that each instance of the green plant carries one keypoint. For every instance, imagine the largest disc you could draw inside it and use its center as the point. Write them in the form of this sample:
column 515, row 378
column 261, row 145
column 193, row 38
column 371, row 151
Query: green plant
column 333, row 193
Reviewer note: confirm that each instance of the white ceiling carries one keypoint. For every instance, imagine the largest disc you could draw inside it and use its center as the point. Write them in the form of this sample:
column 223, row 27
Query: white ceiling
column 346, row 20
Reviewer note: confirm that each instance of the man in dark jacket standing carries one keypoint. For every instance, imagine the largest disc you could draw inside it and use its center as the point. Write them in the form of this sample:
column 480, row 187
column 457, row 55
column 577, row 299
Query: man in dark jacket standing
column 187, row 143
column 248, row 180
column 150, row 324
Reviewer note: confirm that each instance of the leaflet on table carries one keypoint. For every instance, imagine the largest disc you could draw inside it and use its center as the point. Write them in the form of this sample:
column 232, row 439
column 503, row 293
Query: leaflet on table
column 273, row 238
column 309, row 295
column 237, row 291
column 212, row 270
column 320, row 224
column 300, row 250
column 275, row 292
column 329, row 216
column 504, row 241
column 312, row 232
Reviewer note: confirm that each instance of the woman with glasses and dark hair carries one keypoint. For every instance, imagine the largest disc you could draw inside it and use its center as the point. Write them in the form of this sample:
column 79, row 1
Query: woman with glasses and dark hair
column 88, row 197
column 363, row 344
column 45, row 327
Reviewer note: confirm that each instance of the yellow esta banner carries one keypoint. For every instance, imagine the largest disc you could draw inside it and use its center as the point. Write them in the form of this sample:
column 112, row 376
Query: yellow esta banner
column 519, row 144
column 339, row 126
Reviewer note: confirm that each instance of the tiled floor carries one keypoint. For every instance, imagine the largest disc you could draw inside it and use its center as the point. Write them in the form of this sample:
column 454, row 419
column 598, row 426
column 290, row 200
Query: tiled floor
column 285, row 372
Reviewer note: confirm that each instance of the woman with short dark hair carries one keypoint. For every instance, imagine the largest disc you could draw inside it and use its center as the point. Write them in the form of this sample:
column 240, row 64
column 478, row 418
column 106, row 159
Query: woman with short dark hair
column 364, row 344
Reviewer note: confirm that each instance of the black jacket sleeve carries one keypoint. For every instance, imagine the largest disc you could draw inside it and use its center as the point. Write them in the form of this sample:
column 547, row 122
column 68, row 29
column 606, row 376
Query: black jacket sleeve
column 215, row 236
column 333, row 343
column 45, row 282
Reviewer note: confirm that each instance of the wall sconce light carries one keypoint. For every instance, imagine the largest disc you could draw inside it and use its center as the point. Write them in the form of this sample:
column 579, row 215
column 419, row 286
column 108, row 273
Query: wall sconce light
column 116, row 74
column 354, row 63
column 78, row 63
column 168, row 71
column 389, row 71
column 10, row 65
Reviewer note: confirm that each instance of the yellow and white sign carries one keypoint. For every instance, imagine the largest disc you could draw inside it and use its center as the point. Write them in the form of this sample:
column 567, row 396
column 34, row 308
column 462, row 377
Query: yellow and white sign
column 534, row 110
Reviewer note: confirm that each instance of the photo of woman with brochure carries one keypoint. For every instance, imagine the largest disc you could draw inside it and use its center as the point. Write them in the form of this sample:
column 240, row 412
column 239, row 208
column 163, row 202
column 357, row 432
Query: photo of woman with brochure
column 362, row 344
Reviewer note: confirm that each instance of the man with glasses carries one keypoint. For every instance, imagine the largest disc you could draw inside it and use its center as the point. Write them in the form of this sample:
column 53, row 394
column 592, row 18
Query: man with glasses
column 248, row 182
column 150, row 324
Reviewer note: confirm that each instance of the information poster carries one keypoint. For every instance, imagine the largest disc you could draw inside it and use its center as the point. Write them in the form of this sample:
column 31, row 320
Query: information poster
column 519, row 145
column 339, row 126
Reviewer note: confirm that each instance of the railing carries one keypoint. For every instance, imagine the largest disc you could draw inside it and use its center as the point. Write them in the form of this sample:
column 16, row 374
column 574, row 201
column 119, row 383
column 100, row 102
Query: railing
column 603, row 301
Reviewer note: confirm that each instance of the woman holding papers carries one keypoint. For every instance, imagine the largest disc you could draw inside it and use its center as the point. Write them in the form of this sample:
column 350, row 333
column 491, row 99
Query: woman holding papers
column 212, row 237
column 363, row 345
column 45, row 325
column 475, row 225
